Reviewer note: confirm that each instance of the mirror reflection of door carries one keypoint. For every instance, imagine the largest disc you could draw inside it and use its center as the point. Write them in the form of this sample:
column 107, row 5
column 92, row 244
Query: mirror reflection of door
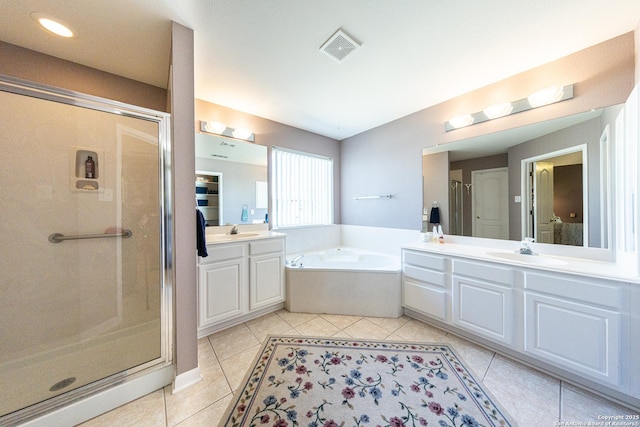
column 543, row 202
column 557, row 208
column 490, row 207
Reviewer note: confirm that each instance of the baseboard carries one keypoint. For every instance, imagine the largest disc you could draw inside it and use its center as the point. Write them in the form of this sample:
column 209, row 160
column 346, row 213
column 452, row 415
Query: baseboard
column 208, row 330
column 186, row 380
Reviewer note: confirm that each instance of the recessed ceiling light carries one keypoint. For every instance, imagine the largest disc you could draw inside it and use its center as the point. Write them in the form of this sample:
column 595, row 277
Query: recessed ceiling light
column 52, row 24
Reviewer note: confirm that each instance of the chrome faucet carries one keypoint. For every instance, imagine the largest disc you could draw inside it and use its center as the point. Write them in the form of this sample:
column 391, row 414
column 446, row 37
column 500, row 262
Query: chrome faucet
column 525, row 248
column 294, row 262
column 234, row 230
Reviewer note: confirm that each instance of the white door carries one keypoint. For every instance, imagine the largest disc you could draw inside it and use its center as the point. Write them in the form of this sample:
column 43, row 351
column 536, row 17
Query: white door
column 490, row 208
column 543, row 202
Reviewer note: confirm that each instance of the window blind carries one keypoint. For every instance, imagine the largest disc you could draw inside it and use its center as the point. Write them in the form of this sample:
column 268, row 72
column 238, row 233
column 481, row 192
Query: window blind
column 302, row 191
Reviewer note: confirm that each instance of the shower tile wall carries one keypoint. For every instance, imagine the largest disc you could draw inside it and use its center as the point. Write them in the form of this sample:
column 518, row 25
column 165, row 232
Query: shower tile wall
column 60, row 296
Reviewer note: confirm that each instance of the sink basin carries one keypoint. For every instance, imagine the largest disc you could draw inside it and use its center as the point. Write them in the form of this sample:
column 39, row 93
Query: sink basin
column 225, row 237
column 526, row 259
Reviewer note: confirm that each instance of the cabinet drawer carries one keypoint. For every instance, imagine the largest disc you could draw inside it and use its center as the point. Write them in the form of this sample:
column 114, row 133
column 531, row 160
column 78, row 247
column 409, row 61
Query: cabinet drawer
column 223, row 252
column 424, row 275
column 425, row 260
column 488, row 272
column 603, row 294
column 266, row 246
column 425, row 300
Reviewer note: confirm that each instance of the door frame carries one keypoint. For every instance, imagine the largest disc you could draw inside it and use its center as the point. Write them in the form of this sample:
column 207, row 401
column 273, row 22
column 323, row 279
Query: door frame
column 527, row 188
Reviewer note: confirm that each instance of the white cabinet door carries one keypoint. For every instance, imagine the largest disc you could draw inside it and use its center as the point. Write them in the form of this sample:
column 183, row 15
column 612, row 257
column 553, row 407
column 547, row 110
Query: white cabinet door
column 222, row 294
column 574, row 335
column 484, row 308
column 266, row 285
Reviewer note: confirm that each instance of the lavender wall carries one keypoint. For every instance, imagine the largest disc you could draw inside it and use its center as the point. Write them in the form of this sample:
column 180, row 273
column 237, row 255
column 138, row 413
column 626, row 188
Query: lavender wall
column 387, row 159
column 270, row 133
column 37, row 67
column 184, row 216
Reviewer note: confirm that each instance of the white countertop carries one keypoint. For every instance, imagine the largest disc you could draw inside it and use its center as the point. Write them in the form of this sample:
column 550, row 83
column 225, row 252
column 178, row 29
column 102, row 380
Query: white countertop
column 218, row 238
column 579, row 266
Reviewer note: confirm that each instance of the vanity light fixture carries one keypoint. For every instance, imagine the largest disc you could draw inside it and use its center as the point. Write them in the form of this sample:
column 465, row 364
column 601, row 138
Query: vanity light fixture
column 220, row 128
column 537, row 99
column 52, row 25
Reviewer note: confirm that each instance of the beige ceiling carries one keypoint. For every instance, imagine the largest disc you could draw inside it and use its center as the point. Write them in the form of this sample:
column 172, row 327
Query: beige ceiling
column 262, row 56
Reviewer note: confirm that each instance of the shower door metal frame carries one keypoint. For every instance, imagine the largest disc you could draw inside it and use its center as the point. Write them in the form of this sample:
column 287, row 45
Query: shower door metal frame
column 27, row 88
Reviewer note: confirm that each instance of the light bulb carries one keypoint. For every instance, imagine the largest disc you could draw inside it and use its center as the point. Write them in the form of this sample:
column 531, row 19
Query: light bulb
column 241, row 133
column 498, row 110
column 216, row 127
column 546, row 96
column 52, row 24
column 461, row 121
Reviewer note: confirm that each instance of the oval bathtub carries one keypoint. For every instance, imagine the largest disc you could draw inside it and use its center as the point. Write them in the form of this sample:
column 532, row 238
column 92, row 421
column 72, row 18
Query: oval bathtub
column 345, row 281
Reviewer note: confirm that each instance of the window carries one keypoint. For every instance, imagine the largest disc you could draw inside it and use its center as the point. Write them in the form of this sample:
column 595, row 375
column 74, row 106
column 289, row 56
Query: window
column 302, row 188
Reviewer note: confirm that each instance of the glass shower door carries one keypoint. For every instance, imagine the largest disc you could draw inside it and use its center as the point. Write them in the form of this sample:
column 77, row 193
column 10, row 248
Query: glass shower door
column 81, row 219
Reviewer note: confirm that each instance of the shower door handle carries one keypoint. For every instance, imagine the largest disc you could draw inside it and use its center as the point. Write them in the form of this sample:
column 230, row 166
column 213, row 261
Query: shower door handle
column 58, row 237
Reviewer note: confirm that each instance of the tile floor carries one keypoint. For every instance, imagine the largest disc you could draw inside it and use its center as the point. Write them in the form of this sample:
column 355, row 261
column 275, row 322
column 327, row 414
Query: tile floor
column 531, row 397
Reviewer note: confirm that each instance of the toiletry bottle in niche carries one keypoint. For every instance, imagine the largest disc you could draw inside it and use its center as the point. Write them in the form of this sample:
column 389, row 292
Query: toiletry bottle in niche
column 90, row 168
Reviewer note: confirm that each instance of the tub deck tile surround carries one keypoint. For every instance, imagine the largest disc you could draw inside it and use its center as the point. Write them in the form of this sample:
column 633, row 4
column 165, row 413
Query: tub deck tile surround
column 544, row 396
column 358, row 283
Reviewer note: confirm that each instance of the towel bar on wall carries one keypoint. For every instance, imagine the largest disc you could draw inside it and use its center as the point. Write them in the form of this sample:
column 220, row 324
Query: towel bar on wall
column 387, row 196
column 58, row 237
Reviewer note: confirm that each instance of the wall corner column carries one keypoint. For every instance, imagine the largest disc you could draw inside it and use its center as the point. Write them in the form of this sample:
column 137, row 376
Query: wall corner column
column 182, row 108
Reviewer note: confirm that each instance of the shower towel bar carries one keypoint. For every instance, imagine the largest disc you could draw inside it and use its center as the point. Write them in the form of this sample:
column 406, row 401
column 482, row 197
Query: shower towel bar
column 57, row 237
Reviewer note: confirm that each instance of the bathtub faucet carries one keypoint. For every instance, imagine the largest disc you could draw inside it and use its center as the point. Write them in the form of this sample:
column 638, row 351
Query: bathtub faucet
column 294, row 262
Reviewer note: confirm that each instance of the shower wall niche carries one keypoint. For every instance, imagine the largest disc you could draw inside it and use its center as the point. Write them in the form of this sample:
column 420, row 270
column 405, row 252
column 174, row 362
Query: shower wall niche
column 86, row 169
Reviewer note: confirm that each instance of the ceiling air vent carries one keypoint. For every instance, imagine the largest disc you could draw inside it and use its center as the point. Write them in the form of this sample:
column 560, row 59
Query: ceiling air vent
column 339, row 46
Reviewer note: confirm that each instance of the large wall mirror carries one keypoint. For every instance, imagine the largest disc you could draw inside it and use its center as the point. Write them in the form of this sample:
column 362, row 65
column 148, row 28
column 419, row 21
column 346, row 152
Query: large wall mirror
column 238, row 171
column 549, row 181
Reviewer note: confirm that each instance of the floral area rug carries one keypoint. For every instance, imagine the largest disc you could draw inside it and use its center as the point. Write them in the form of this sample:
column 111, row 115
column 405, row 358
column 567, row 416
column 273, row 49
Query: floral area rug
column 332, row 382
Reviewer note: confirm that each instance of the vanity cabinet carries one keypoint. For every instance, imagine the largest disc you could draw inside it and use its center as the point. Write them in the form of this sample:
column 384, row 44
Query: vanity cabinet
column 239, row 281
column 426, row 285
column 581, row 328
column 575, row 324
column 483, row 299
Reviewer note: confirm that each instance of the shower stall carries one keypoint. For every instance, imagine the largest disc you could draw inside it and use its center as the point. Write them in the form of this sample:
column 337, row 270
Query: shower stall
column 85, row 276
column 455, row 207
